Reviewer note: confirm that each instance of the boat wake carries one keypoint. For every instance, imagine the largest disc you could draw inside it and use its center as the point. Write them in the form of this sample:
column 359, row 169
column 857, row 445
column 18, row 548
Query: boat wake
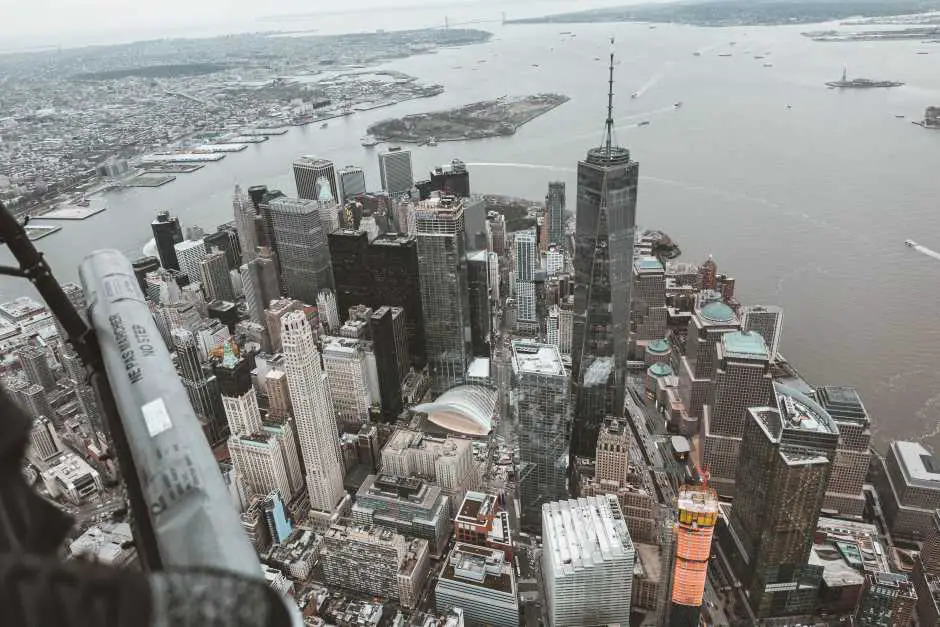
column 926, row 251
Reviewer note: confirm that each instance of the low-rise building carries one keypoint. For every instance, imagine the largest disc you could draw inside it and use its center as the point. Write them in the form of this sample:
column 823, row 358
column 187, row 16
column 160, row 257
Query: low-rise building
column 481, row 581
column 481, row 520
column 110, row 544
column 375, row 560
column 68, row 476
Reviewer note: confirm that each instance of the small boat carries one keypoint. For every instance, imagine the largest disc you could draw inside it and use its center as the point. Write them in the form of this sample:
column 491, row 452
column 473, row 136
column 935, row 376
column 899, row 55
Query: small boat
column 369, row 141
column 922, row 52
column 635, row 95
column 644, row 123
column 696, row 54
column 768, row 65
column 324, row 125
column 432, row 141
column 597, row 58
column 535, row 65
column 910, row 243
column 678, row 105
column 900, row 116
column 725, row 54
column 789, row 106
column 758, row 56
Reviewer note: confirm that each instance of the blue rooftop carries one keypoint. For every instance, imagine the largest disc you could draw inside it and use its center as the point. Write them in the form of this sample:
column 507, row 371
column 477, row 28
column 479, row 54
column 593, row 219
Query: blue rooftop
column 649, row 263
column 717, row 312
column 658, row 346
column 744, row 344
column 660, row 370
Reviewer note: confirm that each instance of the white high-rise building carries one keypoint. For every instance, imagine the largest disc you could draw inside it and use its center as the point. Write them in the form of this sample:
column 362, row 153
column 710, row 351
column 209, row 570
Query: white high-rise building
column 560, row 320
column 189, row 253
column 526, row 255
column 554, row 262
column 587, row 562
column 492, row 267
column 260, row 461
column 345, row 364
column 525, row 302
column 313, row 411
column 395, row 171
column 329, row 313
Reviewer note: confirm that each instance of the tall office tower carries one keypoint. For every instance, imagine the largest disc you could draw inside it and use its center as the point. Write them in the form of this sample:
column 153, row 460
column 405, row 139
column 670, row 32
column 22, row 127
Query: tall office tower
column 195, row 232
column 697, row 368
column 161, row 287
column 526, row 303
column 239, row 399
column 612, row 462
column 307, row 174
column 853, row 457
column 542, row 396
column 451, row 179
column 376, row 561
column 786, row 457
column 697, row 515
column 403, row 212
column 34, row 402
column 245, row 214
column 76, row 296
column 313, row 411
column 766, row 320
column 555, row 205
column 277, row 309
column 281, row 428
column 560, row 320
column 44, row 440
column 648, row 314
column 478, row 283
column 445, row 297
column 35, row 363
column 344, row 362
column 383, row 272
column 190, row 253
column 554, row 262
column 526, row 255
column 909, row 487
column 481, row 582
column 742, row 380
column 262, row 283
column 390, row 345
column 215, row 278
column 395, row 171
column 587, row 562
column 225, row 239
column 202, row 389
column 301, row 248
column 278, row 393
column 603, row 257
column 352, row 182
column 167, row 233
column 327, row 308
column 492, row 268
column 496, row 232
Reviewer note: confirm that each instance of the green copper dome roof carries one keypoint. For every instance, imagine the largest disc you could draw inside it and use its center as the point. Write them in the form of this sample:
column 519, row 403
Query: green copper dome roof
column 658, row 346
column 660, row 370
column 717, row 312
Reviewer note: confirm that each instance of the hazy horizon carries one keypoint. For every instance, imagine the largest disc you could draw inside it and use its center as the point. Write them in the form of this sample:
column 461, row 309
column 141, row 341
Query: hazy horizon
column 43, row 24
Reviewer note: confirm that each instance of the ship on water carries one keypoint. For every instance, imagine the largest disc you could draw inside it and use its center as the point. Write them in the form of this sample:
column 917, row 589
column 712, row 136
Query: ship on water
column 860, row 83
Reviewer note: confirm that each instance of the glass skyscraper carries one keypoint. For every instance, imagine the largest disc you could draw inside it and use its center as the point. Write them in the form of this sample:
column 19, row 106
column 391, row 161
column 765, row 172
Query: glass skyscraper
column 445, row 297
column 301, row 248
column 603, row 264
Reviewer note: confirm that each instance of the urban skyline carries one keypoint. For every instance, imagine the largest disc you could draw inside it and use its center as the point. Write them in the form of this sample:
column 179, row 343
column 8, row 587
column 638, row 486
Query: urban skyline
column 566, row 423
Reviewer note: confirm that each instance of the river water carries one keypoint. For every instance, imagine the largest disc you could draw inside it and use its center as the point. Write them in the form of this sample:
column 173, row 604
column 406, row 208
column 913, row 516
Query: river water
column 807, row 207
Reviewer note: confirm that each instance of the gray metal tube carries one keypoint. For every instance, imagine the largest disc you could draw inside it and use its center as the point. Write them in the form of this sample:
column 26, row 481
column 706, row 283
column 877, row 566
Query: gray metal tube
column 194, row 521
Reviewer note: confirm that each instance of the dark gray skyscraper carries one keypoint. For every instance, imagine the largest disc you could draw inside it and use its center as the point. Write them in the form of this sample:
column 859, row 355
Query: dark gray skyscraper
column 555, row 204
column 301, row 248
column 307, row 174
column 352, row 182
column 445, row 297
column 167, row 233
column 245, row 214
column 603, row 264
column 786, row 457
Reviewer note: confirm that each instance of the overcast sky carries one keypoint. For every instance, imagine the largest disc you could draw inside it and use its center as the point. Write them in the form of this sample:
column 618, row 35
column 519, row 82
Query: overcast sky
column 37, row 23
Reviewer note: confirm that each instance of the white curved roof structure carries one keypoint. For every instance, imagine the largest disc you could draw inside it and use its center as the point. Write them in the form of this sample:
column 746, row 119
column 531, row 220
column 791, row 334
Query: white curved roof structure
column 466, row 409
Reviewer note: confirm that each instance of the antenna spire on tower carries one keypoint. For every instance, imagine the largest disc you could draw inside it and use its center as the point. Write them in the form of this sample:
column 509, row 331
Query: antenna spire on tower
column 610, row 103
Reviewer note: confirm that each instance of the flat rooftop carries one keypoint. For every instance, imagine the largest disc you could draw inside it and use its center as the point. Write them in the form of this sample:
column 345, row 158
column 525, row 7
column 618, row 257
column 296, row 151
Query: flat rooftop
column 918, row 465
column 648, row 264
column 744, row 345
column 798, row 411
column 476, row 507
column 697, row 500
column 584, row 532
column 533, row 358
column 480, row 566
column 843, row 404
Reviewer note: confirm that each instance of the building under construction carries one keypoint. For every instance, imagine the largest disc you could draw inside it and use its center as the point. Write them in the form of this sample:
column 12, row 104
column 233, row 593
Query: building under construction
column 697, row 515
